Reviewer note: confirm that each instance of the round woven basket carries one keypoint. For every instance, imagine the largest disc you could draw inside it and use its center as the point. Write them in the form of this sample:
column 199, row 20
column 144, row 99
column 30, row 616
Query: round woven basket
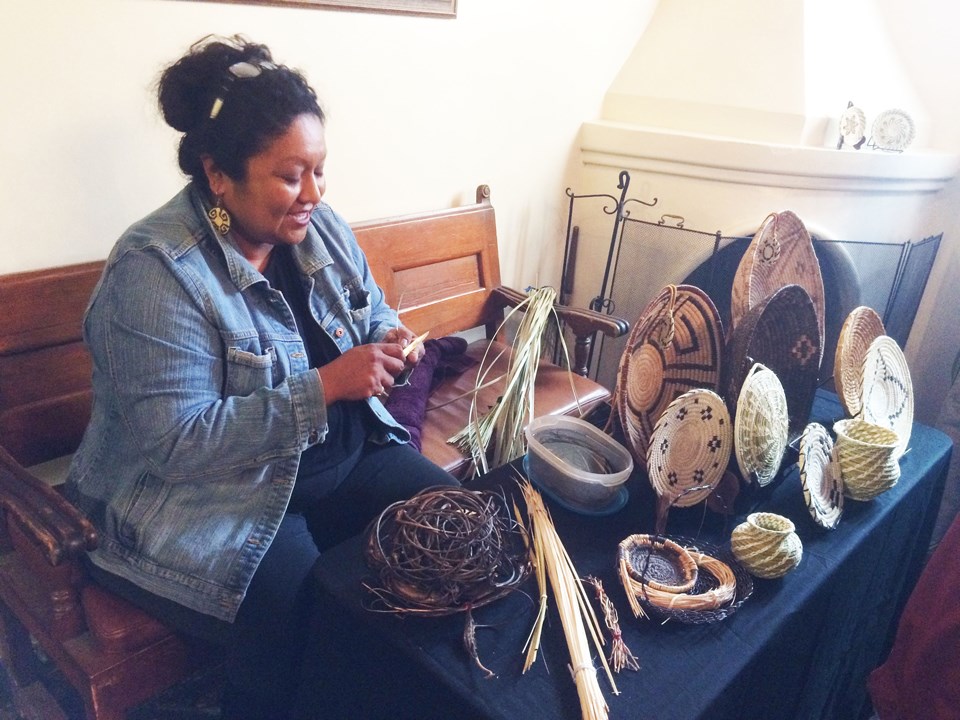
column 760, row 427
column 722, row 586
column 675, row 345
column 781, row 253
column 690, row 448
column 767, row 544
column 658, row 563
column 861, row 328
column 867, row 458
column 820, row 476
column 780, row 333
column 888, row 390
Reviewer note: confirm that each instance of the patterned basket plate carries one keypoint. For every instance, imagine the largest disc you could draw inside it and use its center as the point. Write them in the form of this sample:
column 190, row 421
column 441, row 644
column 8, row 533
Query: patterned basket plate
column 861, row 328
column 887, row 389
column 676, row 345
column 760, row 427
column 781, row 253
column 690, row 448
column 820, row 477
column 780, row 333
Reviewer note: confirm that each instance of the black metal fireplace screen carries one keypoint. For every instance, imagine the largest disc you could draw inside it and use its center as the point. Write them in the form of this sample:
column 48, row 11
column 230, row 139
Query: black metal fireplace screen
column 644, row 256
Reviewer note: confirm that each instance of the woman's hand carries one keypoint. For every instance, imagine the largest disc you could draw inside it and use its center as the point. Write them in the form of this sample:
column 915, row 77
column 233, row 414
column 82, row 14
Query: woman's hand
column 403, row 336
column 362, row 372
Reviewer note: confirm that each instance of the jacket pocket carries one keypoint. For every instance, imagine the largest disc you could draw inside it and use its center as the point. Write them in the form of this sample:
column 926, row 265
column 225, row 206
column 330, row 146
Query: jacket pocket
column 248, row 371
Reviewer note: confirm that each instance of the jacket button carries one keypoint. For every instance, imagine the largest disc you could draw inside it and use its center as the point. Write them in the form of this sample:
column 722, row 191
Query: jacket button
column 338, row 332
column 314, row 437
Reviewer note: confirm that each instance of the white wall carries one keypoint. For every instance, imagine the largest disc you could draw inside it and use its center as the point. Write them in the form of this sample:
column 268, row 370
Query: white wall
column 420, row 111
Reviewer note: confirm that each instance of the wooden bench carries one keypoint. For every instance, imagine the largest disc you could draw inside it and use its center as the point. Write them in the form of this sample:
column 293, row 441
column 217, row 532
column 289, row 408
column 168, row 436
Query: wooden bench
column 444, row 265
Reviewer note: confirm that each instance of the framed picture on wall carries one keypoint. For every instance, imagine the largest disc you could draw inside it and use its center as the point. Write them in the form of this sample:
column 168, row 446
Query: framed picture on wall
column 441, row 8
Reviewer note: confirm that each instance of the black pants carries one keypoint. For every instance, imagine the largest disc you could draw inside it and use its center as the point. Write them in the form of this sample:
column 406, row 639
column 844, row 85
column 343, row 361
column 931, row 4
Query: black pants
column 264, row 646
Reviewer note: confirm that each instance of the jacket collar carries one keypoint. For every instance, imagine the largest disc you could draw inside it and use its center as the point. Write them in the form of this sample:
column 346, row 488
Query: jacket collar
column 310, row 255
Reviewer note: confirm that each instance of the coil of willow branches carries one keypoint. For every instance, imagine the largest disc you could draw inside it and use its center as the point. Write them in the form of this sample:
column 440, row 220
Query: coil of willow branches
column 443, row 551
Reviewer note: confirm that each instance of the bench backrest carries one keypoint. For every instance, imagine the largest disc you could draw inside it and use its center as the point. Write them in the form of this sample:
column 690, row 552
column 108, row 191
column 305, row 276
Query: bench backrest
column 439, row 266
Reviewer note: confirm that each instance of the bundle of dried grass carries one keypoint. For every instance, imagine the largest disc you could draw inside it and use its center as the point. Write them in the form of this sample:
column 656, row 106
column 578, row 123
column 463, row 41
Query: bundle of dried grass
column 496, row 437
column 552, row 562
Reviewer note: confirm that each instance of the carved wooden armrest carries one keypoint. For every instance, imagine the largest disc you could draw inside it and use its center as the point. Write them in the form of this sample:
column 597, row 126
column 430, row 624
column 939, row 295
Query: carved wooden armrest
column 59, row 530
column 583, row 323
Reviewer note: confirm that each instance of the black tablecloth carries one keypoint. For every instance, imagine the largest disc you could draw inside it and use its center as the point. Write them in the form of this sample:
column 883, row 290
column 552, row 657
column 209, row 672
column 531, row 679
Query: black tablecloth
column 799, row 647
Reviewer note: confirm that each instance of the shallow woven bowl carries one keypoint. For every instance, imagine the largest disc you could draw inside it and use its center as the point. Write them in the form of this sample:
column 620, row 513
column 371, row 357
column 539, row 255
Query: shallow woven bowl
column 861, row 328
column 658, row 563
column 782, row 334
column 867, row 457
column 820, row 476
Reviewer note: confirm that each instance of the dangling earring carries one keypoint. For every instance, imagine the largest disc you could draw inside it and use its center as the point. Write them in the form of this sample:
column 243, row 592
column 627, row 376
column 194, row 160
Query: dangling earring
column 220, row 217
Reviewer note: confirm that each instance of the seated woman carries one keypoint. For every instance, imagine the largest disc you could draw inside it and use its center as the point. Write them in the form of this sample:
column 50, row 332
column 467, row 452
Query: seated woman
column 240, row 350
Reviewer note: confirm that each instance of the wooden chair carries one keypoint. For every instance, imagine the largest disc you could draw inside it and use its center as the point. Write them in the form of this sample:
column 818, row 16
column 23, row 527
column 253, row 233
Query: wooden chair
column 111, row 652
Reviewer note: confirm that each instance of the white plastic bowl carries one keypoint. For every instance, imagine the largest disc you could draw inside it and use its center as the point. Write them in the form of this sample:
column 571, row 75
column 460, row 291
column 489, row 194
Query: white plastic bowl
column 576, row 461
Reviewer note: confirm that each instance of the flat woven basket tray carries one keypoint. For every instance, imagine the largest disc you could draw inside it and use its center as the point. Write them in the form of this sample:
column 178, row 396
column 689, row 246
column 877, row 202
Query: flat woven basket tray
column 862, row 326
column 760, row 426
column 690, row 449
column 676, row 345
column 781, row 253
column 782, row 334
column 887, row 393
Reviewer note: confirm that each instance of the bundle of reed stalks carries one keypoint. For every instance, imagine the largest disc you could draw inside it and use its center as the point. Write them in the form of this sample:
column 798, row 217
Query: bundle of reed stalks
column 551, row 562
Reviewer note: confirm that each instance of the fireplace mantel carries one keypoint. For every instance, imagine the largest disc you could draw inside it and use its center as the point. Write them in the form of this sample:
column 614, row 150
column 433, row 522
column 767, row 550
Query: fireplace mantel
column 657, row 151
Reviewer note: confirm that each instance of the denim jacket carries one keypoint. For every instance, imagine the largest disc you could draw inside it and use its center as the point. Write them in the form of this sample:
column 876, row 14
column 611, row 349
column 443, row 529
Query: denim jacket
column 204, row 400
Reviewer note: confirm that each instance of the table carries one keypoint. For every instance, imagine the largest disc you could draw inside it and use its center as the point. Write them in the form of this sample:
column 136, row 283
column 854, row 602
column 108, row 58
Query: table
column 799, row 647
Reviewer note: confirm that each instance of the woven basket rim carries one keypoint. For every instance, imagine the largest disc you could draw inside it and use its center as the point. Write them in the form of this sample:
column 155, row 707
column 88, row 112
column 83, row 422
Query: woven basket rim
column 843, row 428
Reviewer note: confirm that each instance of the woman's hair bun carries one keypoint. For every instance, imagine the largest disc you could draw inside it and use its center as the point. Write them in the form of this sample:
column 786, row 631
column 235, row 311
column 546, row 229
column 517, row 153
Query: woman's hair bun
column 187, row 88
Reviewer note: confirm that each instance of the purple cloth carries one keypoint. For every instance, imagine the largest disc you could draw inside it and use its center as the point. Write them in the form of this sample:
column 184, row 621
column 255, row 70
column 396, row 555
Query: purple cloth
column 408, row 404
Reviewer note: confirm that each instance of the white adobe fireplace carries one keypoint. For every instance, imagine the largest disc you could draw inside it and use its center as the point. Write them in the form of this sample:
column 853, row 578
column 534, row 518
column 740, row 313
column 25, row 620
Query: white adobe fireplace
column 726, row 112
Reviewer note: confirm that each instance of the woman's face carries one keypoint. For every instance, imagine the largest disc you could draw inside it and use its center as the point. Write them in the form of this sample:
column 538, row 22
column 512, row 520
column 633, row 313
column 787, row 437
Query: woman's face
column 284, row 183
